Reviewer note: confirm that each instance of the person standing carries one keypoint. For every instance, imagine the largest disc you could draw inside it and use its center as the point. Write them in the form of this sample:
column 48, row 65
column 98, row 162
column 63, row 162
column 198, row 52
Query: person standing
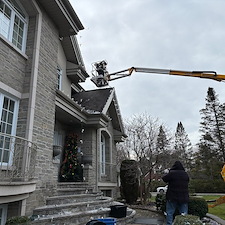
column 177, row 195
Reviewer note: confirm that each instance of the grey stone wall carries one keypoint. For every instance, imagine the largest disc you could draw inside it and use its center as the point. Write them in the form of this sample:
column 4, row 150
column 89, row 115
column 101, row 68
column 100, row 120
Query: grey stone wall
column 43, row 130
column 89, row 148
column 12, row 66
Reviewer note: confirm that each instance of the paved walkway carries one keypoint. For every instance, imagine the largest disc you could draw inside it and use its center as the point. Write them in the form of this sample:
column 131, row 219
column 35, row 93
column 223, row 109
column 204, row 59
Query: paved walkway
column 153, row 217
column 148, row 217
column 148, row 221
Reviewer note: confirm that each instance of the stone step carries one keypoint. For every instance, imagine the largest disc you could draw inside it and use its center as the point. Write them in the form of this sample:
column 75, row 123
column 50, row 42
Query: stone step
column 81, row 218
column 72, row 191
column 64, row 199
column 76, row 204
column 77, row 218
column 69, row 208
column 83, row 185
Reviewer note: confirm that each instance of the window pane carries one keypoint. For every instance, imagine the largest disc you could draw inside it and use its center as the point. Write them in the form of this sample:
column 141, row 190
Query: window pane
column 21, row 32
column 21, row 25
column 1, row 142
column 5, row 157
column 19, row 46
column 11, row 106
column 8, row 129
column 20, row 40
column 10, row 118
column 7, row 11
column 7, row 143
column 16, row 20
column 2, row 127
column 5, row 104
column 4, row 116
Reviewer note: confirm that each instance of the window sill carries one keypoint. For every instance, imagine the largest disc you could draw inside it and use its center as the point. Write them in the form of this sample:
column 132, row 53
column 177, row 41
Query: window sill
column 5, row 167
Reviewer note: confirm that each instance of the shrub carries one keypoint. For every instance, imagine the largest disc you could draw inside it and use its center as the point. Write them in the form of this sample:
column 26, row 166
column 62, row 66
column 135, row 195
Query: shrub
column 160, row 201
column 207, row 186
column 196, row 206
column 187, row 219
column 17, row 220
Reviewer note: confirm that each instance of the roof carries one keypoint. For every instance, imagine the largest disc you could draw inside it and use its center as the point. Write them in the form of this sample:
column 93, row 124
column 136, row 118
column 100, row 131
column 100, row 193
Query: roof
column 63, row 15
column 101, row 101
column 93, row 100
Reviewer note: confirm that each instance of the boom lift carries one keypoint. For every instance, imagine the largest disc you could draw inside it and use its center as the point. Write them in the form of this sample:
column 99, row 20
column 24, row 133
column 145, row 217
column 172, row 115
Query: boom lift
column 101, row 76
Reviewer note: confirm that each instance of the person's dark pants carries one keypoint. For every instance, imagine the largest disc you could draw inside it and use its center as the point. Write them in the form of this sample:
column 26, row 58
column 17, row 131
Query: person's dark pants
column 171, row 206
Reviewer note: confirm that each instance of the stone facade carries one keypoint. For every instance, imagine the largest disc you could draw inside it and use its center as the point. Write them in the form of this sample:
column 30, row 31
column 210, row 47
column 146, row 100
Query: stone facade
column 31, row 78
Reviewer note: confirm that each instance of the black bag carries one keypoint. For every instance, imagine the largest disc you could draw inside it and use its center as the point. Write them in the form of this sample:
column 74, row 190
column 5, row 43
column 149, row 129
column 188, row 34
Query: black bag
column 118, row 211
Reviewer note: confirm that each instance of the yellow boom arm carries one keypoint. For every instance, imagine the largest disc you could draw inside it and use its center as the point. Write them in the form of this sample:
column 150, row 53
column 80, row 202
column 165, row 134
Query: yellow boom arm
column 104, row 78
column 201, row 74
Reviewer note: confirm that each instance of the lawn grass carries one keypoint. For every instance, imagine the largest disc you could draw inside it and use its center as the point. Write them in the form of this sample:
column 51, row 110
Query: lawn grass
column 218, row 210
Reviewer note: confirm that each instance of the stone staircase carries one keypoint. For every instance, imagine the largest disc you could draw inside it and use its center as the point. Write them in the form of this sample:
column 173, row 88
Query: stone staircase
column 76, row 203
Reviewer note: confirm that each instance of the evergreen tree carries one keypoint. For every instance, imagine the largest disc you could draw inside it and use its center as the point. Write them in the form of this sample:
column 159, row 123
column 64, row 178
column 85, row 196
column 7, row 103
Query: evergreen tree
column 206, row 164
column 71, row 168
column 163, row 149
column 212, row 126
column 182, row 147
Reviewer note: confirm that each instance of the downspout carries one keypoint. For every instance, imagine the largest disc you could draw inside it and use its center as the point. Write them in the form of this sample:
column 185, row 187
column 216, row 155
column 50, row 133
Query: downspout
column 34, row 73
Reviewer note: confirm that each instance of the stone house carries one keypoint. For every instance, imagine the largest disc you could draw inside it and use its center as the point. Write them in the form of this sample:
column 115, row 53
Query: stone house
column 42, row 101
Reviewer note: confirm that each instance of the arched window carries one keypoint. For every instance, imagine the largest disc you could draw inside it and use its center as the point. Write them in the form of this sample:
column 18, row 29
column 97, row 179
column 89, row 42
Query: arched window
column 13, row 23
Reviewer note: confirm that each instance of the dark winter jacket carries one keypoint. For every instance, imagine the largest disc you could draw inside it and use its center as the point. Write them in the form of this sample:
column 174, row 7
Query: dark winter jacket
column 177, row 180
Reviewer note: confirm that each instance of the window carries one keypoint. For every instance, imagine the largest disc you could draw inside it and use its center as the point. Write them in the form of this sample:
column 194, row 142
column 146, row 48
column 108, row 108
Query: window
column 8, row 116
column 3, row 214
column 102, row 155
column 59, row 136
column 59, row 78
column 13, row 23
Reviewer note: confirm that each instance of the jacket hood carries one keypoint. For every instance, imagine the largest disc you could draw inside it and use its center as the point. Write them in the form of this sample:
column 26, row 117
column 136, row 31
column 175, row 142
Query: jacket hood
column 177, row 166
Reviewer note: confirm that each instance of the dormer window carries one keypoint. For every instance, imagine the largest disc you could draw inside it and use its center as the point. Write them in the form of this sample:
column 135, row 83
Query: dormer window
column 13, row 23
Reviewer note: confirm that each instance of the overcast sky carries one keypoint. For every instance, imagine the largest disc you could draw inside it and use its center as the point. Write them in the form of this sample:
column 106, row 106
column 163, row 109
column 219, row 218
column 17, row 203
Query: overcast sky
column 174, row 34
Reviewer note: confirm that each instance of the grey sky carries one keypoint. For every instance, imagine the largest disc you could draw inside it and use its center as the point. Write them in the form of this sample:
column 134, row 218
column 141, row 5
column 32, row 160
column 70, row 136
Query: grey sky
column 174, row 34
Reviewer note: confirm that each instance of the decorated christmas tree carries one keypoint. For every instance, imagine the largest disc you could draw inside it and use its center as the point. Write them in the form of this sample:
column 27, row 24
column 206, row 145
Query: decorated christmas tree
column 71, row 169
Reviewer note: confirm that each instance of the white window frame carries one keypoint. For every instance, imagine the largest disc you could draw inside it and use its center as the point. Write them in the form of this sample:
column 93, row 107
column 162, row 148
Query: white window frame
column 23, row 18
column 3, row 215
column 14, row 124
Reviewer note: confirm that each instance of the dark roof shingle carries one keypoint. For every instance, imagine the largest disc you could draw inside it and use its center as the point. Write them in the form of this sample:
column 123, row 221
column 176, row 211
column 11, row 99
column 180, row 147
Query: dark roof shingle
column 93, row 100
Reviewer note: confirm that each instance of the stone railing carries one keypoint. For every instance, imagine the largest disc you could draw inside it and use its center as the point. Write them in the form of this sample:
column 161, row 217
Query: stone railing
column 108, row 172
column 17, row 158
